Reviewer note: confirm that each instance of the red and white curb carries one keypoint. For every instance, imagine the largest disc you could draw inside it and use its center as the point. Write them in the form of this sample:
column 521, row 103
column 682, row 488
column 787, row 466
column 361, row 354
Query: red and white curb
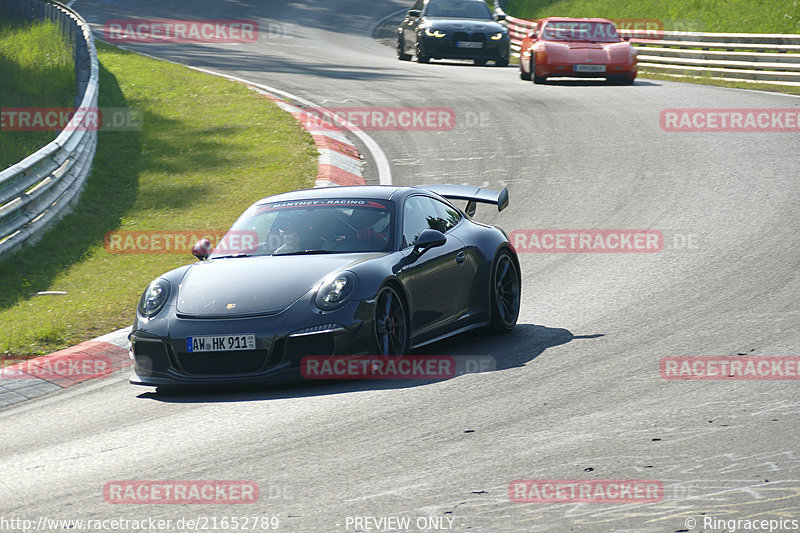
column 339, row 164
column 339, row 160
column 90, row 360
column 332, row 171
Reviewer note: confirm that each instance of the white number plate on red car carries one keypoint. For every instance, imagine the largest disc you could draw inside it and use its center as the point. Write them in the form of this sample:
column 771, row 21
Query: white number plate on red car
column 469, row 44
column 590, row 68
column 220, row 343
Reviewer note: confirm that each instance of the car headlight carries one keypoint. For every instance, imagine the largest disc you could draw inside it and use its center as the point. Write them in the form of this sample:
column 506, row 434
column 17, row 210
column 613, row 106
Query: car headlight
column 336, row 291
column 435, row 33
column 154, row 298
column 497, row 36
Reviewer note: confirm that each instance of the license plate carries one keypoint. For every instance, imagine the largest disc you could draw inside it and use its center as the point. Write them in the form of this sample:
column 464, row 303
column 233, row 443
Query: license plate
column 469, row 44
column 220, row 343
column 590, row 68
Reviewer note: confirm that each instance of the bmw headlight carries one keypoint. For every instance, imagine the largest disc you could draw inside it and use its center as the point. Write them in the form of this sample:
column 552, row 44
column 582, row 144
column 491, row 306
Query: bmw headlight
column 335, row 291
column 435, row 33
column 154, row 298
column 498, row 36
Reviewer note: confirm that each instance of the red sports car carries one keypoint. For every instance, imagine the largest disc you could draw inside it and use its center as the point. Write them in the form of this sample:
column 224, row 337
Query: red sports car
column 584, row 48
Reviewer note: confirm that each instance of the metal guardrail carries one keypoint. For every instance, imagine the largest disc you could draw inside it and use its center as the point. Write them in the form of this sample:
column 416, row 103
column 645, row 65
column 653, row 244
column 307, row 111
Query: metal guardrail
column 39, row 190
column 754, row 57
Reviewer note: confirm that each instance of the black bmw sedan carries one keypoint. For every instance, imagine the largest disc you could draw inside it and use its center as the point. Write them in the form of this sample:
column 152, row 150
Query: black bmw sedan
column 453, row 29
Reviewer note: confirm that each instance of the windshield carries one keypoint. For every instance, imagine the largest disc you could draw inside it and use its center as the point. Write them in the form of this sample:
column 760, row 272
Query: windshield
column 601, row 32
column 338, row 225
column 459, row 10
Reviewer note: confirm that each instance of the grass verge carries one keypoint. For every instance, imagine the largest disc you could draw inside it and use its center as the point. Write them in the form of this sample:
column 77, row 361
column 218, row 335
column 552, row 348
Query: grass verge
column 720, row 16
column 706, row 80
column 717, row 16
column 207, row 149
column 37, row 71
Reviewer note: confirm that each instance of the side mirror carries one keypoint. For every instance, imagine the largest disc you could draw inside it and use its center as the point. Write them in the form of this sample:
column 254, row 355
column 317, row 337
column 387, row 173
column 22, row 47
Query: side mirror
column 430, row 238
column 414, row 12
column 626, row 38
column 533, row 34
column 202, row 249
column 500, row 17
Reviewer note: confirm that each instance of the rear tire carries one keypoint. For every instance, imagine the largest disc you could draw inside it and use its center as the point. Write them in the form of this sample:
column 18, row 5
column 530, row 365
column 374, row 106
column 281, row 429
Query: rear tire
column 505, row 293
column 501, row 62
column 479, row 62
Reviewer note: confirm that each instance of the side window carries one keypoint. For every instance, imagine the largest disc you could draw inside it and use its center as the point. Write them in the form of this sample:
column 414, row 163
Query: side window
column 450, row 216
column 421, row 213
column 418, row 213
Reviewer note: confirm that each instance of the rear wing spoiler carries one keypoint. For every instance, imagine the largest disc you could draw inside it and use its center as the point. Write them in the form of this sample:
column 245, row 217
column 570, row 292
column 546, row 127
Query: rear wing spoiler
column 471, row 194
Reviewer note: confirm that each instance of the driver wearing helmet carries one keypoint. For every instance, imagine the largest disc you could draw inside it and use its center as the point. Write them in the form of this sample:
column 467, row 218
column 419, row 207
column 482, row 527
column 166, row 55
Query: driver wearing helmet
column 373, row 227
column 294, row 237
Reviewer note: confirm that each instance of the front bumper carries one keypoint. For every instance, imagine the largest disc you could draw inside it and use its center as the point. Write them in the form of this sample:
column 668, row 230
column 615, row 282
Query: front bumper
column 160, row 356
column 448, row 48
column 558, row 69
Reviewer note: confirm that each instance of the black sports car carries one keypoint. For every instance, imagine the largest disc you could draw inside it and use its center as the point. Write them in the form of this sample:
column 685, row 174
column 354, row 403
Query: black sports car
column 333, row 271
column 453, row 29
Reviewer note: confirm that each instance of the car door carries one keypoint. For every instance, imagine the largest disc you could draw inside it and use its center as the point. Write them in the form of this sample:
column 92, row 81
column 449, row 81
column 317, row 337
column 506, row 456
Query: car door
column 410, row 24
column 440, row 280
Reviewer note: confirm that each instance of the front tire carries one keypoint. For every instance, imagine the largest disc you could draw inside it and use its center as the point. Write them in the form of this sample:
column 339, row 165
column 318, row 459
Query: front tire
column 391, row 325
column 534, row 76
column 620, row 80
column 503, row 62
column 401, row 51
column 421, row 57
column 479, row 62
column 524, row 76
column 505, row 293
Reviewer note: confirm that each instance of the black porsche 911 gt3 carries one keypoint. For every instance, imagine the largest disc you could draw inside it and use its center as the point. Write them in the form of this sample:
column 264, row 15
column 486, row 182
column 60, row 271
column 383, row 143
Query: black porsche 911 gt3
column 453, row 29
column 332, row 271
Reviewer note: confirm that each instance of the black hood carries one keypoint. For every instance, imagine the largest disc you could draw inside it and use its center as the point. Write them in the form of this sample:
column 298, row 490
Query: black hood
column 249, row 286
column 470, row 25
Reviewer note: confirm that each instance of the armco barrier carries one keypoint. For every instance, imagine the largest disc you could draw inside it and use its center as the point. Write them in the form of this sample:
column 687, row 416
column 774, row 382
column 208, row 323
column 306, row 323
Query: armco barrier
column 753, row 57
column 40, row 189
